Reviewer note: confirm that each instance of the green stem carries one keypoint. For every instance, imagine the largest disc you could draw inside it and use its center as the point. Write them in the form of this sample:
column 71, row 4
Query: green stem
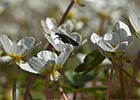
column 66, row 12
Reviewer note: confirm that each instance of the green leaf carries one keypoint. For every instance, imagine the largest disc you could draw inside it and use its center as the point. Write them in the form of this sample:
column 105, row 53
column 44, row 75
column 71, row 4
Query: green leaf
column 91, row 61
column 77, row 80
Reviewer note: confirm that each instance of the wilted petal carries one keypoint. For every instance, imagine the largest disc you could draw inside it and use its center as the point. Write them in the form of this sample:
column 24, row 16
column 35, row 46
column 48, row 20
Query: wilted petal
column 6, row 43
column 95, row 38
column 135, row 21
column 47, row 55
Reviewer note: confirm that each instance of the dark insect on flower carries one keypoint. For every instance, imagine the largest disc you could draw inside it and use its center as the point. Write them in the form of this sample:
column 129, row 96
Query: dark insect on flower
column 67, row 39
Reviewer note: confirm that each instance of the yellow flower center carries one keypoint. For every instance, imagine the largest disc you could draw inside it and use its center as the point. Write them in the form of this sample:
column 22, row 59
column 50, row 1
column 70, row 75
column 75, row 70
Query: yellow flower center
column 17, row 58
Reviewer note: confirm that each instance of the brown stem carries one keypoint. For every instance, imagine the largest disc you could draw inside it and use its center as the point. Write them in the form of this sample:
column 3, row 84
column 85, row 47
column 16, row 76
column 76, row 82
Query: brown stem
column 66, row 12
column 74, row 96
column 29, row 85
column 136, row 81
column 14, row 83
column 131, row 85
column 101, row 27
column 121, row 82
column 109, row 85
column 47, row 89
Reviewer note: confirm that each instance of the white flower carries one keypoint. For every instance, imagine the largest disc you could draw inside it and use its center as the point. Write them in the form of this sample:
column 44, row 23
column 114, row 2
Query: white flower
column 47, row 62
column 17, row 50
column 60, row 35
column 115, row 43
column 134, row 49
column 135, row 22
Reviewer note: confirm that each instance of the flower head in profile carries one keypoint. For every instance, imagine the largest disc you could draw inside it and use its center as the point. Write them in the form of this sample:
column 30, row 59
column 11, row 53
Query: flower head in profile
column 113, row 44
column 135, row 22
column 18, row 50
column 134, row 49
column 47, row 62
column 60, row 35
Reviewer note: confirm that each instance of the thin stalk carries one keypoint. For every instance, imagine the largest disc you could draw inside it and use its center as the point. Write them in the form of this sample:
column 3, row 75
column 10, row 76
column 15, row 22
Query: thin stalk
column 14, row 83
column 64, row 96
column 47, row 88
column 121, row 82
column 29, row 85
column 131, row 85
column 109, row 85
column 136, row 81
column 101, row 27
column 74, row 96
column 66, row 12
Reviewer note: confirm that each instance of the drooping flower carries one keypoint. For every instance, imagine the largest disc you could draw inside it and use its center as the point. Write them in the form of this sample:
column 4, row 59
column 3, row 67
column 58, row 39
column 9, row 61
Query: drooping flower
column 47, row 62
column 18, row 50
column 60, row 35
column 115, row 43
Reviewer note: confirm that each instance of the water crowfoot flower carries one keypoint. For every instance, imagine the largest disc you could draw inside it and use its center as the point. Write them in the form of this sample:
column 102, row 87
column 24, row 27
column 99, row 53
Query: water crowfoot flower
column 134, row 49
column 60, row 35
column 47, row 62
column 113, row 44
column 18, row 50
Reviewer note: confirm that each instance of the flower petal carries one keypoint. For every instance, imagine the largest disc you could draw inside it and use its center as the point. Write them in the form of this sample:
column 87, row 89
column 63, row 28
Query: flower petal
column 95, row 38
column 18, row 50
column 64, row 55
column 27, row 41
column 41, row 66
column 49, row 23
column 112, row 38
column 27, row 67
column 55, row 42
column 6, row 43
column 122, row 29
column 135, row 21
column 47, row 55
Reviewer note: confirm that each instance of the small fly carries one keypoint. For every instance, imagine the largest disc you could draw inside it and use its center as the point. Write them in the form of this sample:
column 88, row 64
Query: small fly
column 67, row 39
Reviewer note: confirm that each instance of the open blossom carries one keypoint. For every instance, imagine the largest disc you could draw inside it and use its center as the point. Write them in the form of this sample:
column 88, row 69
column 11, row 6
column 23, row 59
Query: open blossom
column 60, row 35
column 47, row 62
column 134, row 49
column 18, row 50
column 115, row 43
